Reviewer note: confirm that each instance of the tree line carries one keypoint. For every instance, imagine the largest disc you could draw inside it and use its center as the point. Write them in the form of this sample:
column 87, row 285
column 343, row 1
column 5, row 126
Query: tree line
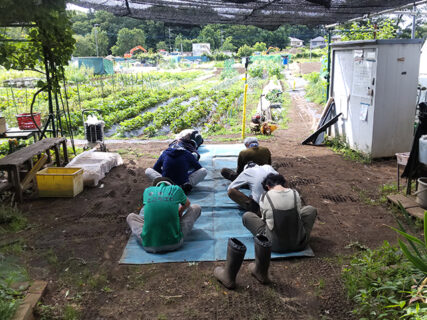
column 103, row 32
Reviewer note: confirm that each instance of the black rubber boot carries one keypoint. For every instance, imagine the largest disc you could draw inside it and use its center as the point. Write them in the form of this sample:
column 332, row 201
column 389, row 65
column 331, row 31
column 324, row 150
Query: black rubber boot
column 235, row 254
column 259, row 268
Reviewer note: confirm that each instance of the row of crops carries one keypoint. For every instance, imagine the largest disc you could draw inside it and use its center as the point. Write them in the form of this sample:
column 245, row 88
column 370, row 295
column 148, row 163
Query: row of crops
column 150, row 105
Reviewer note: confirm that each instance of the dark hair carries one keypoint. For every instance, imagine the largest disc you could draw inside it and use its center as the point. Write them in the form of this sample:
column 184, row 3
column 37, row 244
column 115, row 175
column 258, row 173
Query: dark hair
column 272, row 180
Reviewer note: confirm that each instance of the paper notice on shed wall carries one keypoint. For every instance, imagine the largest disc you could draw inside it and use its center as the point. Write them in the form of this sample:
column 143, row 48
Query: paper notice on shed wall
column 362, row 78
column 364, row 111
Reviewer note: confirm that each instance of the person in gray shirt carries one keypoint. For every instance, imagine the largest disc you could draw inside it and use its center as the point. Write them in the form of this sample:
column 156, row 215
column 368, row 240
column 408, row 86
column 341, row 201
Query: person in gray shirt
column 284, row 221
column 251, row 177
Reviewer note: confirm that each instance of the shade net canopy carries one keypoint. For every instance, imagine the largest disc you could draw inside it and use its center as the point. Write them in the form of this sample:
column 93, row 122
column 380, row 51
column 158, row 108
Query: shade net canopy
column 268, row 14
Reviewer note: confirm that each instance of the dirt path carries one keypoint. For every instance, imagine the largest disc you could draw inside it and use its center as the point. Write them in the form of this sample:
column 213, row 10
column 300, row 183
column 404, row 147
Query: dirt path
column 75, row 244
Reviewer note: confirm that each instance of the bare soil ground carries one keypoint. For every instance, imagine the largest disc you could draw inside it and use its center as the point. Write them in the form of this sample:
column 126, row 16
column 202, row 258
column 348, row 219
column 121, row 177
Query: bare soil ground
column 309, row 67
column 75, row 244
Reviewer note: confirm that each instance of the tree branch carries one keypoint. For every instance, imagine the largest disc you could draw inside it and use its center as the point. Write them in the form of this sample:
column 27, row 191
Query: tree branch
column 29, row 69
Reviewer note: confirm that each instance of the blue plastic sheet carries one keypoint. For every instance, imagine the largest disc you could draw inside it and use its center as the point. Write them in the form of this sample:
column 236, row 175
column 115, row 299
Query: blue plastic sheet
column 220, row 218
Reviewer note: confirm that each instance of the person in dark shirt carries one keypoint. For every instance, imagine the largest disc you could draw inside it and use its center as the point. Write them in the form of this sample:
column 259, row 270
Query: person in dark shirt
column 189, row 139
column 179, row 165
column 253, row 152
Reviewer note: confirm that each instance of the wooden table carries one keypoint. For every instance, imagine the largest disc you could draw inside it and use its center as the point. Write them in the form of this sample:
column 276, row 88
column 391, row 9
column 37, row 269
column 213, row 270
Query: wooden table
column 16, row 133
column 13, row 162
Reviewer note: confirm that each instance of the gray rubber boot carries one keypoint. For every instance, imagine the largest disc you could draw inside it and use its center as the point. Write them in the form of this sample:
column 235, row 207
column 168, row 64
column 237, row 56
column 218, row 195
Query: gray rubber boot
column 235, row 254
column 259, row 268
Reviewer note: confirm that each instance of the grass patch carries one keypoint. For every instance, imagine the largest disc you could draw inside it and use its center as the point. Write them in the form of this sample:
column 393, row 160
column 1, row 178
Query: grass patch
column 385, row 190
column 11, row 293
column 78, row 275
column 316, row 88
column 71, row 313
column 11, row 219
column 48, row 312
column 381, row 283
column 52, row 258
column 340, row 147
column 161, row 137
column 286, row 103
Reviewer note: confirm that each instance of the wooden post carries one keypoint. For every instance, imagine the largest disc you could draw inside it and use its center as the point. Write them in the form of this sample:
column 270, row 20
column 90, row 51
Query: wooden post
column 17, row 183
column 57, row 155
column 64, row 146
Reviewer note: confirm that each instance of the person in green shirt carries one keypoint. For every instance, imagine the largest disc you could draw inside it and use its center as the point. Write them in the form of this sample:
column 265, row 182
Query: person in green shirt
column 168, row 217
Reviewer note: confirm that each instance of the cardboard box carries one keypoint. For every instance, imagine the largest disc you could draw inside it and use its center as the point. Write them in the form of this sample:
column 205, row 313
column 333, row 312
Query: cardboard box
column 2, row 125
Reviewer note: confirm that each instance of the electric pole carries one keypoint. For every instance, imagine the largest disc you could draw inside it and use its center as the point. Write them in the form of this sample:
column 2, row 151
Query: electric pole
column 170, row 46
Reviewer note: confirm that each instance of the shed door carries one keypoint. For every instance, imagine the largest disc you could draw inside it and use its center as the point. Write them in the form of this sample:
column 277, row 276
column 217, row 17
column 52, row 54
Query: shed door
column 353, row 83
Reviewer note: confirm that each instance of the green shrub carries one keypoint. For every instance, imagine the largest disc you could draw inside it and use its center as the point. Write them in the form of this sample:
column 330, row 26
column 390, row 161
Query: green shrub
column 275, row 70
column 256, row 71
column 316, row 88
column 417, row 255
column 245, row 51
column 381, row 283
column 220, row 56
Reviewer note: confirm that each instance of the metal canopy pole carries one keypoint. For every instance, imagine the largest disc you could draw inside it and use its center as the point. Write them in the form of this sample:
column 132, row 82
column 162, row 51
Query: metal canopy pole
column 329, row 65
column 49, row 93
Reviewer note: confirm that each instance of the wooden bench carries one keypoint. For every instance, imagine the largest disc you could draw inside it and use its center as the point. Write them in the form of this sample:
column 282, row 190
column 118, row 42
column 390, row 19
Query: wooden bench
column 14, row 162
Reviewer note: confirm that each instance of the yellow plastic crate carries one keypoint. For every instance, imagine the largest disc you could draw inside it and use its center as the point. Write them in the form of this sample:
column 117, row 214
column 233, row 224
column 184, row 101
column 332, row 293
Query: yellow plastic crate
column 60, row 182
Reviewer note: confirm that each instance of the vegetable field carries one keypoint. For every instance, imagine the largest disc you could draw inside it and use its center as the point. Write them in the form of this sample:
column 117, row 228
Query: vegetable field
column 146, row 104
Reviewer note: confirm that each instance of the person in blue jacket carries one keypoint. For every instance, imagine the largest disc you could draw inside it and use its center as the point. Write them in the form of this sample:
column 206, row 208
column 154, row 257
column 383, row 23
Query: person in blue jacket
column 179, row 165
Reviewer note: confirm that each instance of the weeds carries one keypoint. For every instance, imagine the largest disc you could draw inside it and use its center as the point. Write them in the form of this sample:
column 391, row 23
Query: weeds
column 48, row 312
column 162, row 316
column 385, row 190
column 319, row 287
column 316, row 88
column 71, row 313
column 380, row 282
column 52, row 258
column 45, row 312
column 340, row 147
column 11, row 219
column 15, row 248
column 10, row 293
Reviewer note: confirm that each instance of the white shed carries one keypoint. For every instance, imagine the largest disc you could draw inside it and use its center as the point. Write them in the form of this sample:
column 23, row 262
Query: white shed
column 423, row 65
column 374, row 85
column 201, row 48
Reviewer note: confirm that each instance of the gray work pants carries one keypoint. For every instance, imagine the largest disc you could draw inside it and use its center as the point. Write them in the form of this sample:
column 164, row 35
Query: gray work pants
column 136, row 222
column 194, row 178
column 258, row 226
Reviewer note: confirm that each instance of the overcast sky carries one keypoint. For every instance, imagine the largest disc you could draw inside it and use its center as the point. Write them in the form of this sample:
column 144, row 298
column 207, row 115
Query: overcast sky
column 76, row 8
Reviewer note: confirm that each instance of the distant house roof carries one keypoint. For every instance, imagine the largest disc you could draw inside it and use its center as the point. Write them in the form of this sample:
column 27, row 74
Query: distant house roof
column 294, row 39
column 317, row 39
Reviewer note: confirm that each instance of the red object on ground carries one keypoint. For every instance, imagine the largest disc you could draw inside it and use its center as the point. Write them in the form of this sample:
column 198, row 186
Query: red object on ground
column 25, row 121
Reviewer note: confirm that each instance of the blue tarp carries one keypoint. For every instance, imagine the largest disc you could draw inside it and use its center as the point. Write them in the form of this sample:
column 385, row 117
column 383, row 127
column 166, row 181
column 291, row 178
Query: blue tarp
column 220, row 218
